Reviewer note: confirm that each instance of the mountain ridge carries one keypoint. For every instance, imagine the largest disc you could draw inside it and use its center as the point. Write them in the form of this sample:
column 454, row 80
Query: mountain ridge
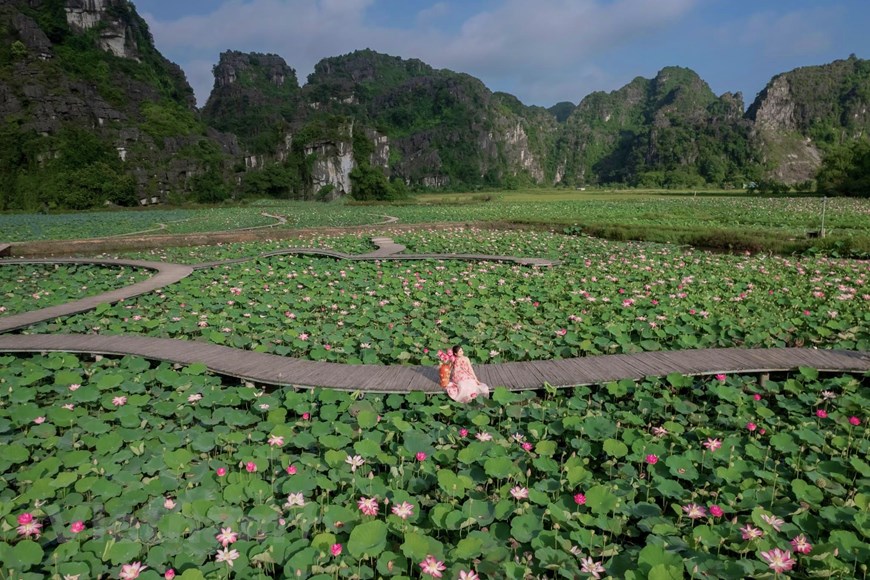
column 370, row 124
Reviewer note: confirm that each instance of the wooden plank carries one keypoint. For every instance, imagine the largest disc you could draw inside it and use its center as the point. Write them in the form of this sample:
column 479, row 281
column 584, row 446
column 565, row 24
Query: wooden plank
column 274, row 369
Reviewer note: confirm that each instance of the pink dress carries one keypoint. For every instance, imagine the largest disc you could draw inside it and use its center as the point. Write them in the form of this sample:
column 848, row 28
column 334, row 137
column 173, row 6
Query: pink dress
column 464, row 386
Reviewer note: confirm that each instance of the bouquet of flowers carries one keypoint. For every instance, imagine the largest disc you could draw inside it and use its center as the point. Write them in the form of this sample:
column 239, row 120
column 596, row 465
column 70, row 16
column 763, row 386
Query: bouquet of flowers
column 446, row 357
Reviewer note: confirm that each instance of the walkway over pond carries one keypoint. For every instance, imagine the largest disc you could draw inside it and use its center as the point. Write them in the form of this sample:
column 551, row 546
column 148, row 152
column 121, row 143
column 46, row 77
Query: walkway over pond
column 279, row 370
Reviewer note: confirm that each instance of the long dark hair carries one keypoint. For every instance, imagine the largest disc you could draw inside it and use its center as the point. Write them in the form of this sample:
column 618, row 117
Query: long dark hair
column 455, row 348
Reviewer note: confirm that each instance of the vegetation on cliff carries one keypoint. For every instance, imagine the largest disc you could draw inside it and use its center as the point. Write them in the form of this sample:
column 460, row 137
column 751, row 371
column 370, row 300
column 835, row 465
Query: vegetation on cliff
column 381, row 123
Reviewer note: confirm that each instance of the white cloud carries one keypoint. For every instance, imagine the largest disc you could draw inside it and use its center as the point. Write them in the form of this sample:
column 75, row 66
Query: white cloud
column 530, row 46
column 779, row 36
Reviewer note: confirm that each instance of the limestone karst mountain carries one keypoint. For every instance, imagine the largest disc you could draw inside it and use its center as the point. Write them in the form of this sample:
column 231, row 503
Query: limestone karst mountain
column 93, row 113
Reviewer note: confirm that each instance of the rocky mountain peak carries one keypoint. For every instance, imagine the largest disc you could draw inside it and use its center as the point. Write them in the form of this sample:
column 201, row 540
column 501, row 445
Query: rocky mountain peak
column 113, row 18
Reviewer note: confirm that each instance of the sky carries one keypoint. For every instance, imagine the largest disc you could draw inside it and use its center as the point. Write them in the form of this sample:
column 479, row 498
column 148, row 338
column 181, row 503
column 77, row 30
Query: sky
column 541, row 51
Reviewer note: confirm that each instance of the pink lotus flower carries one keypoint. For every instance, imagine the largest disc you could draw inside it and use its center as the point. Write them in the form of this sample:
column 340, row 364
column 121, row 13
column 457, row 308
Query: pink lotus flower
column 39, row 420
column 773, row 521
column 295, row 499
column 470, row 575
column 716, row 511
column 779, row 560
column 720, row 377
column 432, row 567
column 74, row 387
column 694, row 511
column 750, row 533
column 446, row 357
column 713, row 444
column 355, row 462
column 169, row 503
column 131, row 571
column 854, row 421
column 801, row 545
column 652, row 459
column 226, row 555
column 822, row 414
column 306, row 416
column 589, row 566
column 368, row 505
column 221, row 471
column 77, row 527
column 483, row 437
column 291, row 470
column 27, row 526
column 227, row 537
column 336, row 550
column 527, row 446
column 421, row 456
column 751, row 426
column 118, row 402
column 250, row 467
column 463, row 432
column 756, row 396
column 169, row 574
column 579, row 498
column 276, row 441
column 404, row 510
column 520, row 492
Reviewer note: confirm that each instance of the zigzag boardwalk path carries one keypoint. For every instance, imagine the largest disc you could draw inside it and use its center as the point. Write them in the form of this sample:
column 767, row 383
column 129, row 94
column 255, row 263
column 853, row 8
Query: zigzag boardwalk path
column 279, row 370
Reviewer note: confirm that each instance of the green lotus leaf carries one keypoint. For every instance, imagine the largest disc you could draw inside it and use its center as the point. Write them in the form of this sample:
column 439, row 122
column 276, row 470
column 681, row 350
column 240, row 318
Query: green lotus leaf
column 177, row 458
column 615, row 448
column 334, row 441
column 263, row 514
column 367, row 448
column 323, row 541
column 368, row 539
column 525, row 527
column 682, row 467
column 599, row 428
column 467, row 548
column 807, row 492
column 367, row 419
column 670, row 488
column 123, row 551
column 600, row 499
column 416, row 441
column 546, row 448
column 499, row 467
column 15, row 453
column 452, row 484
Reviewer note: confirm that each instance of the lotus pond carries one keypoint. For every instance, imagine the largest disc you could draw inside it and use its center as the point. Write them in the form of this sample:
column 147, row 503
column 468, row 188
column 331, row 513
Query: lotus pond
column 789, row 217
column 125, row 468
column 25, row 287
column 605, row 297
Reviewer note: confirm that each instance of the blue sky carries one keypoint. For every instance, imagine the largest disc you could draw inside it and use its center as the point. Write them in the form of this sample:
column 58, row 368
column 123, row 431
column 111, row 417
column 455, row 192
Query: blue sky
column 542, row 51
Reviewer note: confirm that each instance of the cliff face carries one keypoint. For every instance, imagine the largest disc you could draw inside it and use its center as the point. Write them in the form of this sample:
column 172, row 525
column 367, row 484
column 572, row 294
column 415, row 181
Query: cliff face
column 60, row 74
column 802, row 113
column 91, row 112
column 441, row 127
column 255, row 97
column 667, row 131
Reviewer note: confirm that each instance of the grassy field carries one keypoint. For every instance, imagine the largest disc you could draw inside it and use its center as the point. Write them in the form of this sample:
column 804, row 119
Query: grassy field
column 716, row 220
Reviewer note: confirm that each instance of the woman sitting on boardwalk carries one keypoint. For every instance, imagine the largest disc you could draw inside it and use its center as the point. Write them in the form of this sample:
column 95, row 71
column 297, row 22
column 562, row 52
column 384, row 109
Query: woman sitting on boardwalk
column 464, row 386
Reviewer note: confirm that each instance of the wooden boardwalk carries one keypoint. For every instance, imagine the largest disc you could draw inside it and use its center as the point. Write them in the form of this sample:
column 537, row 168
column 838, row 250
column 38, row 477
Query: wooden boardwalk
column 278, row 370
column 166, row 274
